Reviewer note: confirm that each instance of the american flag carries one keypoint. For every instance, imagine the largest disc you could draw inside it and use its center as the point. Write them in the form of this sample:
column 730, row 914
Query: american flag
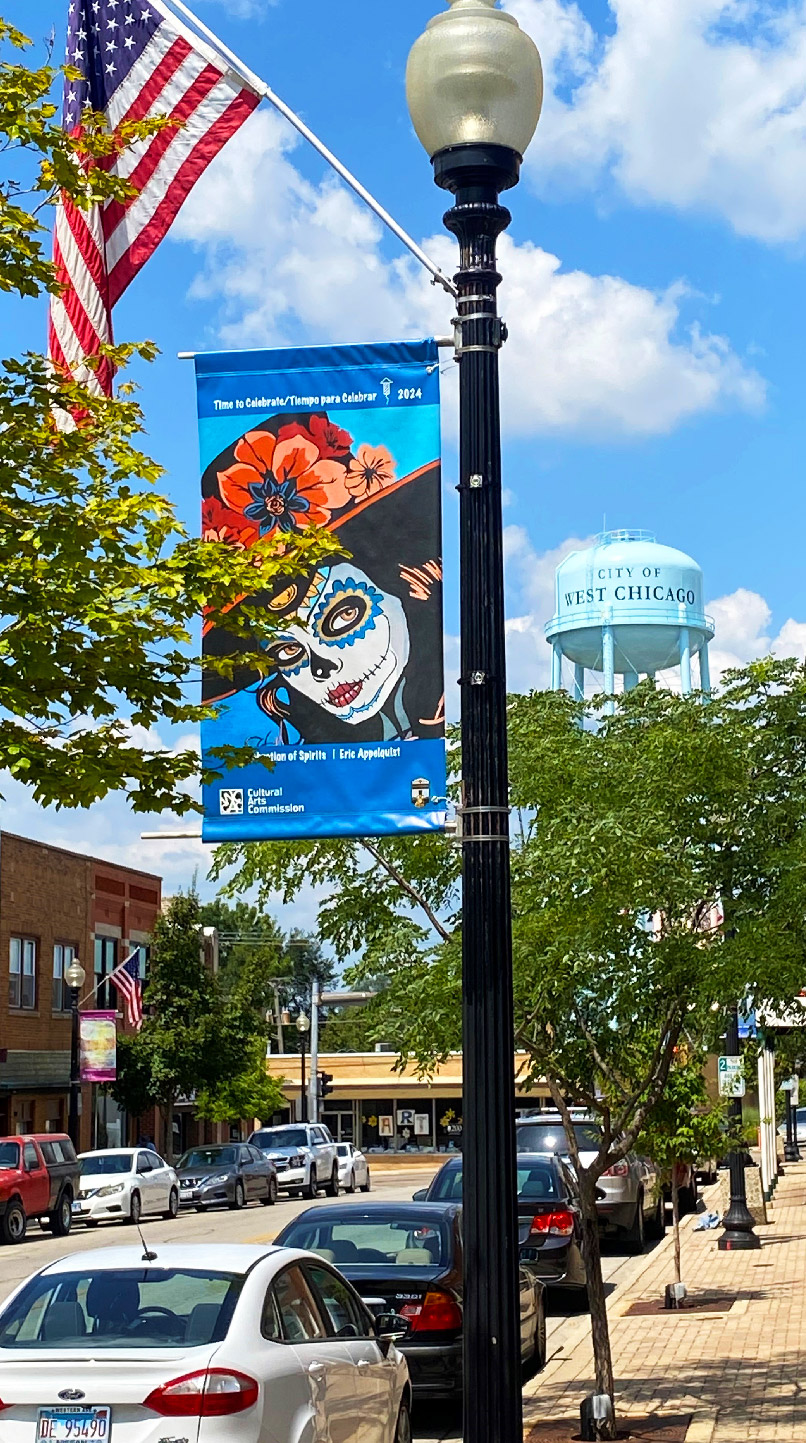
column 137, row 61
column 127, row 979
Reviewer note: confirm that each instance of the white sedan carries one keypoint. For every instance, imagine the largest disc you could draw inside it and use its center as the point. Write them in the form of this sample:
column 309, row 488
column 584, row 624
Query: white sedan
column 121, row 1184
column 353, row 1168
column 130, row 1345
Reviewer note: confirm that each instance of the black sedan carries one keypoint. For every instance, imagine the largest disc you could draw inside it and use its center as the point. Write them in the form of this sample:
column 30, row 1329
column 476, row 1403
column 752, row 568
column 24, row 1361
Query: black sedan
column 549, row 1216
column 225, row 1175
column 406, row 1258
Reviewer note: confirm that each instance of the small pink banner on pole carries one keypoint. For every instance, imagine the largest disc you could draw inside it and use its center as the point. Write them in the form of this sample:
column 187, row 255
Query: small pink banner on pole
column 99, row 1041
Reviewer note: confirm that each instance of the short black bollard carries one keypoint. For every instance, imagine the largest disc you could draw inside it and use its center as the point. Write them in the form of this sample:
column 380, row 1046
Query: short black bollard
column 674, row 1295
column 594, row 1410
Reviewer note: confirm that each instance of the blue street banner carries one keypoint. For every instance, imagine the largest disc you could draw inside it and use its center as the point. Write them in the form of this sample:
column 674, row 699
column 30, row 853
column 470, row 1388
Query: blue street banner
column 350, row 706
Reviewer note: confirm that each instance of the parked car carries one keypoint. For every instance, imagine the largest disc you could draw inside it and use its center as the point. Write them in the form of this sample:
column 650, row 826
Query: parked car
column 121, row 1184
column 353, row 1168
column 799, row 1123
column 304, row 1155
column 38, row 1178
column 208, row 1341
column 406, row 1258
column 228, row 1174
column 549, row 1218
column 632, row 1201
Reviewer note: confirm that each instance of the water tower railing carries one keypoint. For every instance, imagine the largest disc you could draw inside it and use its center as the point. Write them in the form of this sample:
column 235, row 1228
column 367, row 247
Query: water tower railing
column 626, row 615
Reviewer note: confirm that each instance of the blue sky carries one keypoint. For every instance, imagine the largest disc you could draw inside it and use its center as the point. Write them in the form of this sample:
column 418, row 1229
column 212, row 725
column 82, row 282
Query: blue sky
column 654, row 290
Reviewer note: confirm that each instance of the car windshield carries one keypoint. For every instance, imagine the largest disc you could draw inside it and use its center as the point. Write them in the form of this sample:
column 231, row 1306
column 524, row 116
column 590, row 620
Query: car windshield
column 535, row 1181
column 9, row 1154
column 281, row 1137
column 207, row 1157
column 129, row 1308
column 397, row 1242
column 550, row 1137
column 105, row 1164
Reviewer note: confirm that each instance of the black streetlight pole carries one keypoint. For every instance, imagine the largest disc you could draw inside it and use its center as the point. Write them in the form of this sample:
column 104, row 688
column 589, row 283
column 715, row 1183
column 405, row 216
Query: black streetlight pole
column 476, row 175
column 75, row 977
column 791, row 1149
column 739, row 1230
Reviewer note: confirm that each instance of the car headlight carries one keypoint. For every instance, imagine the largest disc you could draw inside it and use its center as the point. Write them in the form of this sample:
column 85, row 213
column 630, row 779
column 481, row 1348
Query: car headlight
column 112, row 1187
column 213, row 1181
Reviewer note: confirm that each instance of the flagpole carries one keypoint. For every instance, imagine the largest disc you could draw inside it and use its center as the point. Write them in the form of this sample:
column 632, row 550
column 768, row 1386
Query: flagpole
column 110, row 976
column 265, row 91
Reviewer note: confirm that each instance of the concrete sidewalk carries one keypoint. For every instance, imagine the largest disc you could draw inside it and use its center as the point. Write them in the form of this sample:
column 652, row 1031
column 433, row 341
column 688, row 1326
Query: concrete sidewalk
column 740, row 1371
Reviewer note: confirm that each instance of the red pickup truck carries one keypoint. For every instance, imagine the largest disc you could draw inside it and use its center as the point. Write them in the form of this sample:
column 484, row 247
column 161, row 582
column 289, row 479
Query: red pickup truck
column 38, row 1178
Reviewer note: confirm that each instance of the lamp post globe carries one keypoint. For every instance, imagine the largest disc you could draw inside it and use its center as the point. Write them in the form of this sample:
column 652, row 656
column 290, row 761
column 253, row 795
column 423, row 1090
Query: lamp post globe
column 303, row 1028
column 75, row 977
column 303, row 1024
column 475, row 87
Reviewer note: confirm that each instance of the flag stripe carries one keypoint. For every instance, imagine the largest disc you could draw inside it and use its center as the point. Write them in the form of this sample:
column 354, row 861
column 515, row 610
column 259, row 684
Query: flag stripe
column 147, row 164
column 142, row 97
column 126, row 260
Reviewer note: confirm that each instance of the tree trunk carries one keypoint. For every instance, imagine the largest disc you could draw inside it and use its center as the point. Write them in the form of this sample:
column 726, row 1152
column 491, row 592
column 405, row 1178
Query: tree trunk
column 676, row 1224
column 600, row 1327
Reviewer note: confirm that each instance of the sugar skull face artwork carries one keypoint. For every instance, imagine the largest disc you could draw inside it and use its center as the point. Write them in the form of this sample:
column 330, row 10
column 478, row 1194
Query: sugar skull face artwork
column 349, row 647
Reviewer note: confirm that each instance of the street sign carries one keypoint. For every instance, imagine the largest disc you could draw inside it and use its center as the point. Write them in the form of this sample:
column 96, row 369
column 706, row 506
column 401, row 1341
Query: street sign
column 731, row 1077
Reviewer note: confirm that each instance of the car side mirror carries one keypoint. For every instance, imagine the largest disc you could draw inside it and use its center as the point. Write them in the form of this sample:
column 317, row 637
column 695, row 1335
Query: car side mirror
column 600, row 1194
column 390, row 1328
column 420, row 1195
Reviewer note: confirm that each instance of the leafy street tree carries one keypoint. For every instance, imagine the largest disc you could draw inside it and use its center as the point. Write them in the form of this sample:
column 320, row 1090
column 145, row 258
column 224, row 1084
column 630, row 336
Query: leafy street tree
column 101, row 584
column 190, row 1040
column 657, row 875
column 686, row 1126
column 250, row 1094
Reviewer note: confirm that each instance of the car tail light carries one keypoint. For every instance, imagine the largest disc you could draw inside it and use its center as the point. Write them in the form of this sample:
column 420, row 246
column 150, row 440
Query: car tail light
column 619, row 1169
column 437, row 1313
column 558, row 1224
column 210, row 1393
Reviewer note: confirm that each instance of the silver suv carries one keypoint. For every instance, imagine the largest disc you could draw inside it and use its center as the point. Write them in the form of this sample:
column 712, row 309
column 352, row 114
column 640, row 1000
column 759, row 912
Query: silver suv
column 304, row 1155
column 632, row 1201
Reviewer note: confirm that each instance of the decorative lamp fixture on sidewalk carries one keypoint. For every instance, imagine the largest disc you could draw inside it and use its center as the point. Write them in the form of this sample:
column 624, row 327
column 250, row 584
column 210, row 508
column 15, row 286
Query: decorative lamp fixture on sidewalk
column 475, row 88
column 75, row 977
column 739, row 1230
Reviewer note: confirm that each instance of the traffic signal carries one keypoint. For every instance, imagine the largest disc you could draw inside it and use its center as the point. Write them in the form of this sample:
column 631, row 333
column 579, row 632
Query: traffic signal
column 325, row 1089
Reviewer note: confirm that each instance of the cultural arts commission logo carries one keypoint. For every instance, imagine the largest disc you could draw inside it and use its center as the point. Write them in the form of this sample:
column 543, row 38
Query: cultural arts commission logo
column 357, row 642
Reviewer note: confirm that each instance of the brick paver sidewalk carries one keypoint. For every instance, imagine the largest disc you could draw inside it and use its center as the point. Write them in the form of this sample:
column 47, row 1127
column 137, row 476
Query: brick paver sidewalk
column 741, row 1371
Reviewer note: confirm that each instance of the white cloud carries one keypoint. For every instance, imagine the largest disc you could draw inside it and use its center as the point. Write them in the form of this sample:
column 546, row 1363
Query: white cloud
column 287, row 260
column 743, row 631
column 696, row 104
column 245, row 9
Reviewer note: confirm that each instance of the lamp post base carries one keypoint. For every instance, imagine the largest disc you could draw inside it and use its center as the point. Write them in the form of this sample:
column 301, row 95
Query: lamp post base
column 739, row 1234
column 792, row 1152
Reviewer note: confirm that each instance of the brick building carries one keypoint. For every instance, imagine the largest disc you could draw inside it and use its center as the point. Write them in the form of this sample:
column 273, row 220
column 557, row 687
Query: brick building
column 55, row 905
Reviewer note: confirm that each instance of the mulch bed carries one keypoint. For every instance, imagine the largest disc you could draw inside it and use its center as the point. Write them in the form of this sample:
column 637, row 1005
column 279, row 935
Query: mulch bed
column 653, row 1307
column 657, row 1428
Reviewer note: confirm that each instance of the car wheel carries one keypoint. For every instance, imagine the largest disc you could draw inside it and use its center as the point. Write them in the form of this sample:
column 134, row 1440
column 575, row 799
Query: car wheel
column 271, row 1193
column 365, row 1186
column 14, row 1223
column 199, row 1208
column 656, row 1229
column 135, row 1209
column 310, row 1189
column 239, row 1198
column 537, row 1362
column 634, row 1236
column 173, row 1204
column 403, row 1425
column 61, row 1220
column 332, row 1187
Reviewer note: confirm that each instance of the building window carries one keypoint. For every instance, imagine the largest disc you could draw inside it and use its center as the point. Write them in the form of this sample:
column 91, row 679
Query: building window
column 22, row 973
column 106, row 960
column 63, row 955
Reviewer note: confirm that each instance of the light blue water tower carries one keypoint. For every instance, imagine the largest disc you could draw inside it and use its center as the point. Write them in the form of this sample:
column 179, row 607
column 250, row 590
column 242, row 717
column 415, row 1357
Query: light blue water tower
column 628, row 606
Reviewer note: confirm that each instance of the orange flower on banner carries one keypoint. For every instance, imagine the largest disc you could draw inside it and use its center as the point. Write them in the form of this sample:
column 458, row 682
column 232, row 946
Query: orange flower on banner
column 371, row 471
column 282, row 485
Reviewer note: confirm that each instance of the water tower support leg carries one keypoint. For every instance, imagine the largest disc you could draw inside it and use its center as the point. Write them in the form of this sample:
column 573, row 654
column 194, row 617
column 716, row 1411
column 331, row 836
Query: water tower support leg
column 608, row 663
column 556, row 667
column 685, row 661
column 630, row 680
column 705, row 670
column 579, row 682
